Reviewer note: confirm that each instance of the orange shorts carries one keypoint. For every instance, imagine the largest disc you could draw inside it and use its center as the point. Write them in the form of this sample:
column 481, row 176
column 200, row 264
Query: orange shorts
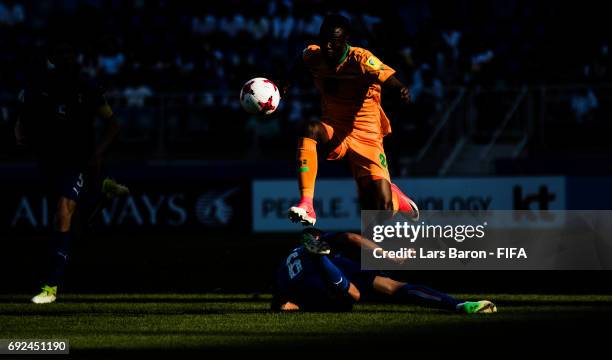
column 365, row 158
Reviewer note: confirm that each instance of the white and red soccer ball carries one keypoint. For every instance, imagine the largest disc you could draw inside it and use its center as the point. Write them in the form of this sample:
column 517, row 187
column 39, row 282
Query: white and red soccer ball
column 259, row 96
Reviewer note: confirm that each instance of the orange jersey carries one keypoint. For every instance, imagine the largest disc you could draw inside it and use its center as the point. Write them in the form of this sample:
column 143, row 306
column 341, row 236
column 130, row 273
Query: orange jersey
column 350, row 92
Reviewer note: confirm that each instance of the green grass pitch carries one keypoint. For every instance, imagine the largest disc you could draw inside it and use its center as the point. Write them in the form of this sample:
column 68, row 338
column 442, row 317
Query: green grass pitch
column 182, row 323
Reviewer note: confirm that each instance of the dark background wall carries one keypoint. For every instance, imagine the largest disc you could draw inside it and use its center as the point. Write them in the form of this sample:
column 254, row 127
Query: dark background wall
column 169, row 236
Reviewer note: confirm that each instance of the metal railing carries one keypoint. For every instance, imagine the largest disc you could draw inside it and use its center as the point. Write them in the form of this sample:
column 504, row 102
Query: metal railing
column 525, row 119
column 502, row 126
column 444, row 121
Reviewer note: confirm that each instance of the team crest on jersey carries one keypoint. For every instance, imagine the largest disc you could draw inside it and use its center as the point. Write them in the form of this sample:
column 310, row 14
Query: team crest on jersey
column 374, row 63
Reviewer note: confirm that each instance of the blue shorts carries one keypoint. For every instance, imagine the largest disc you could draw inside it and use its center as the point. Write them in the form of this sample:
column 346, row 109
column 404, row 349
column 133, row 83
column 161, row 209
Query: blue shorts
column 68, row 183
column 362, row 279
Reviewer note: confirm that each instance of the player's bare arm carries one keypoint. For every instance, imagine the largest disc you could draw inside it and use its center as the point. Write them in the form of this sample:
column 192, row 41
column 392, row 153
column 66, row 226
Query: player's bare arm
column 395, row 85
column 289, row 306
column 316, row 241
column 20, row 135
column 351, row 239
column 296, row 70
column 111, row 129
column 358, row 241
column 352, row 291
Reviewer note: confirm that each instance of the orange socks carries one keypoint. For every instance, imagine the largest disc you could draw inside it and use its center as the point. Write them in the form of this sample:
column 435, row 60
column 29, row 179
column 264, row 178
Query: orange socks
column 307, row 166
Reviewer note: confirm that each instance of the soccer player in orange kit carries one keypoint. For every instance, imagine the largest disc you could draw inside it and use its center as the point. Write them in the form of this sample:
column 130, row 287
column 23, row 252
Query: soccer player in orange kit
column 353, row 123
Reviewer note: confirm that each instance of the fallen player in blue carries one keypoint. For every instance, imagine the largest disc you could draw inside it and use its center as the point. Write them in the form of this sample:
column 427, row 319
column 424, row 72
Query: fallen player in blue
column 319, row 276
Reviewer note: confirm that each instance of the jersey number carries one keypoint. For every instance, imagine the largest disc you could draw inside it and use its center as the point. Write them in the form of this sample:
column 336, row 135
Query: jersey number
column 294, row 265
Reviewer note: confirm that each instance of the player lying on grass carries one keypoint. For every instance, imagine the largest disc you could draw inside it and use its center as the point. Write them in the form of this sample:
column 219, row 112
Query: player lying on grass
column 353, row 123
column 320, row 276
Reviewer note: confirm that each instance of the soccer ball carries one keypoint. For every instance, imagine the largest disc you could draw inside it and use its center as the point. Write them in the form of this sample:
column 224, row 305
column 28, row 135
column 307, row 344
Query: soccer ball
column 259, row 96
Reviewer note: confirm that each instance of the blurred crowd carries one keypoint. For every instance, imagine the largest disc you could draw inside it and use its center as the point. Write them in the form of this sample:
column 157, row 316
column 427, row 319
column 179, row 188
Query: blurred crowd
column 177, row 54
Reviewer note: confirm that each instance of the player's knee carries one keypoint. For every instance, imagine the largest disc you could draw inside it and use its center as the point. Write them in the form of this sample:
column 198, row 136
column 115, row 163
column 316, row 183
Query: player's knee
column 387, row 286
column 63, row 217
column 62, row 221
column 354, row 292
column 313, row 130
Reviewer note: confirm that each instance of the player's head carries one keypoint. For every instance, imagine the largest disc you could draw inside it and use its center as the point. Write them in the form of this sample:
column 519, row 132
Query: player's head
column 62, row 58
column 333, row 37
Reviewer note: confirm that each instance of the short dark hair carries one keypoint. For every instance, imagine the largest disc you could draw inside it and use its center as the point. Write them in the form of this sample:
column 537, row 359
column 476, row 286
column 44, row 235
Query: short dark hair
column 335, row 21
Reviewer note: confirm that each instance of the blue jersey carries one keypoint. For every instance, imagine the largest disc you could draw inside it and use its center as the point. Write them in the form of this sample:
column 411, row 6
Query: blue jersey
column 301, row 280
column 58, row 115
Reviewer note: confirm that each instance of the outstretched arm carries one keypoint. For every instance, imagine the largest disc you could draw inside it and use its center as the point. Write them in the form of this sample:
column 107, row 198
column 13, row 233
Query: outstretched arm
column 395, row 85
column 349, row 293
column 20, row 135
column 111, row 129
column 295, row 70
column 350, row 240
